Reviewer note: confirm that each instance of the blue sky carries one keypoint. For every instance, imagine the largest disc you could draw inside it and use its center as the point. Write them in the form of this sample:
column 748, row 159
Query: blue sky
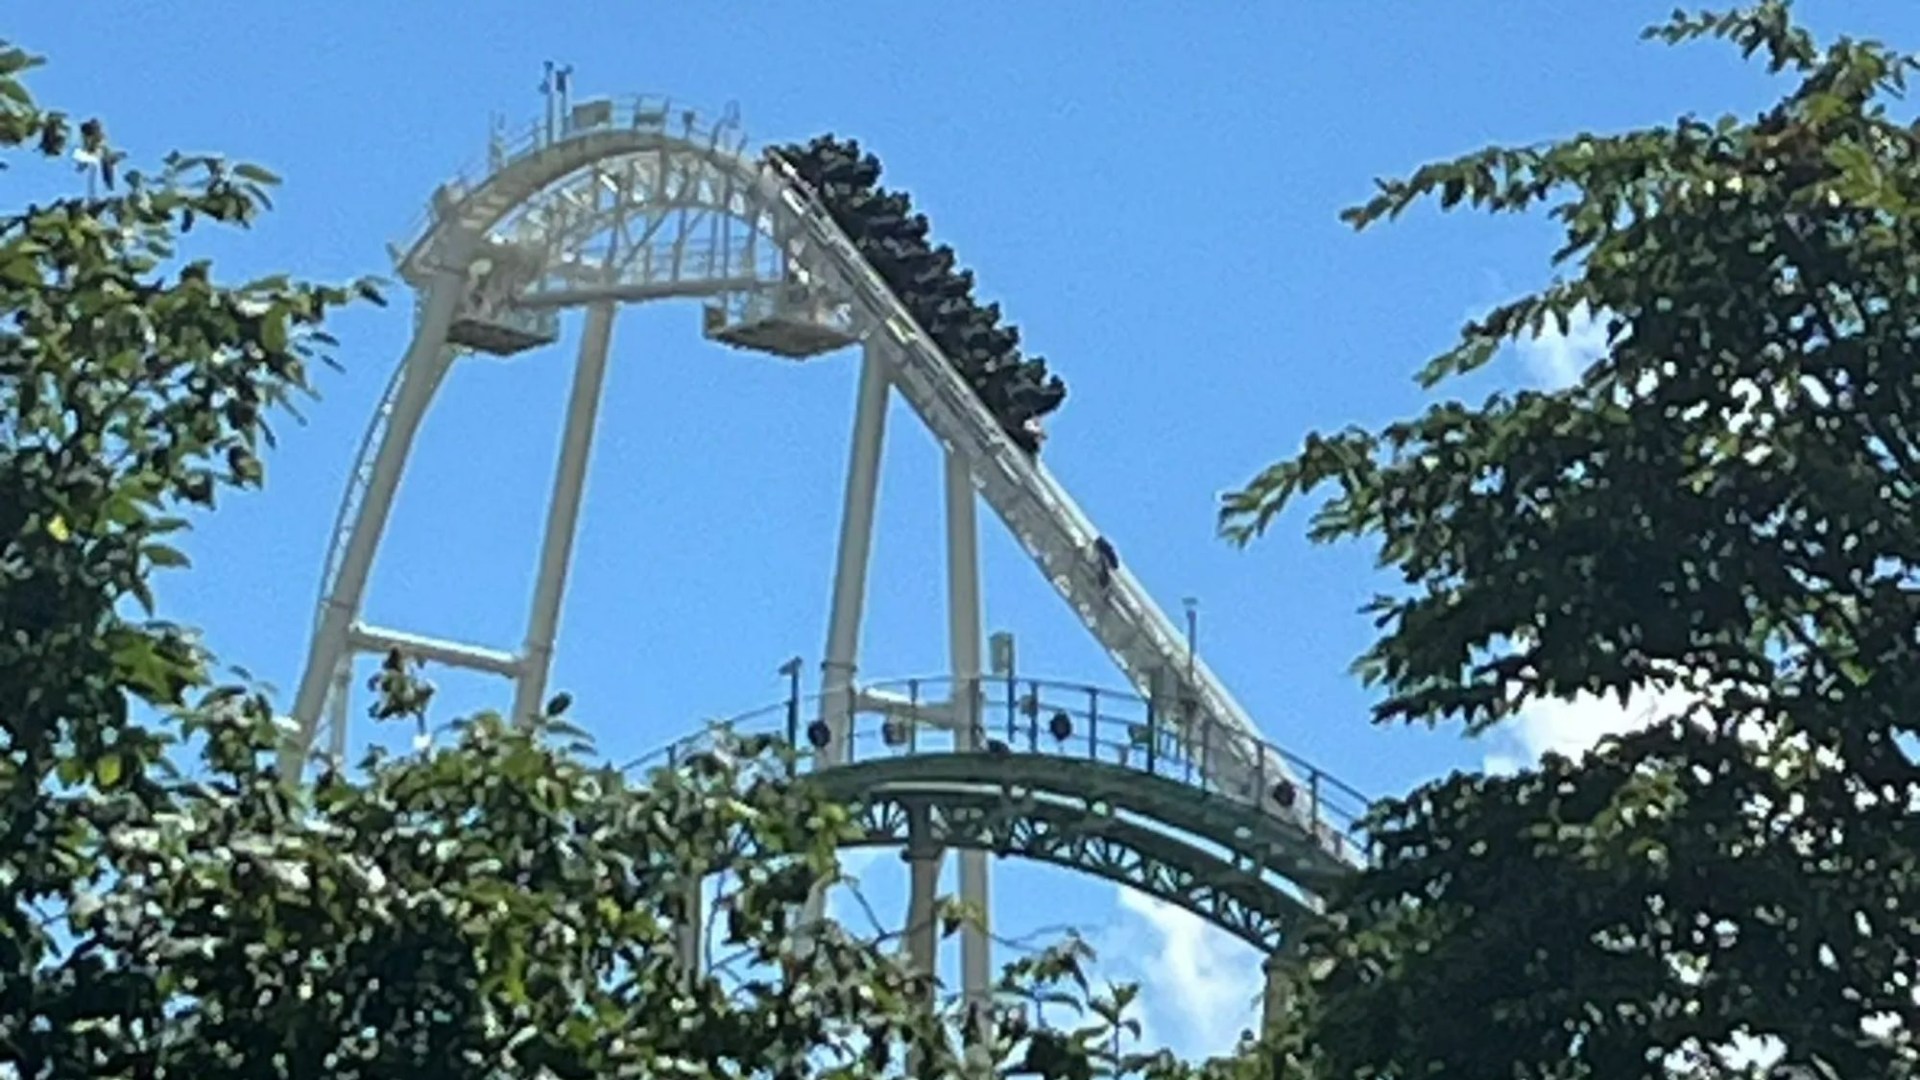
column 1151, row 194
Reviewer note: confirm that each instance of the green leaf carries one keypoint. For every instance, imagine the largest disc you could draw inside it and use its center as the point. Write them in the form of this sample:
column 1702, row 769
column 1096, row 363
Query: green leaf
column 255, row 174
column 21, row 270
column 162, row 556
column 273, row 332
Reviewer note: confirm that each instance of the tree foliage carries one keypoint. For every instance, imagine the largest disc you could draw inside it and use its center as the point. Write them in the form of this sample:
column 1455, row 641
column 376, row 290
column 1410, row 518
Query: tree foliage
column 500, row 906
column 1720, row 515
column 507, row 907
column 132, row 383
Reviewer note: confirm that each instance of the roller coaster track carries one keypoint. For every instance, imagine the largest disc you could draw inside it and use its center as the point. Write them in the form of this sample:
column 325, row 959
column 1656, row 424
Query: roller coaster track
column 357, row 485
column 1171, row 788
column 1076, row 776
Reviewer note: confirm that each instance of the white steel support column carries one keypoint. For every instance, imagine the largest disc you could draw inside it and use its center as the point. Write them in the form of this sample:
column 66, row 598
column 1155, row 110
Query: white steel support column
column 563, row 513
column 425, row 365
column 850, row 568
column 1276, row 998
column 922, row 933
column 963, row 634
column 856, row 545
column 923, row 858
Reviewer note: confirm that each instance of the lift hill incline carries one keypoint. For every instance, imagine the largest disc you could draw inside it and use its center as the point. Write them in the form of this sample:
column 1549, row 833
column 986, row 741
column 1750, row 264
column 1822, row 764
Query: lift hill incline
column 1055, row 532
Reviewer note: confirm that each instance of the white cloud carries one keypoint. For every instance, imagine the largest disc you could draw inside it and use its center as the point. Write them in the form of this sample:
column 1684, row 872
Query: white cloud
column 1555, row 360
column 1573, row 726
column 855, row 862
column 843, row 905
column 1200, row 986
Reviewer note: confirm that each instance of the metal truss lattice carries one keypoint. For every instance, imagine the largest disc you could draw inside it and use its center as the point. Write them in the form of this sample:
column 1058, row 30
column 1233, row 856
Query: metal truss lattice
column 1237, row 899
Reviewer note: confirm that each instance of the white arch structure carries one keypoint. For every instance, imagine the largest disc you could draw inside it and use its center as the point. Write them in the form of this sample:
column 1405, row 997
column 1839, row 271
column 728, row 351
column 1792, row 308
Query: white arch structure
column 620, row 202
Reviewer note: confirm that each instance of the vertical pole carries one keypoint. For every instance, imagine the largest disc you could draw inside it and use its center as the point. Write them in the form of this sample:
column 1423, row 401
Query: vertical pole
column 923, row 858
column 563, row 513
column 686, row 944
column 423, row 367
column 850, row 568
column 791, row 669
column 1153, row 729
column 1192, row 605
column 1275, row 999
column 963, row 632
column 547, row 87
column 923, row 935
column 924, row 879
column 856, row 545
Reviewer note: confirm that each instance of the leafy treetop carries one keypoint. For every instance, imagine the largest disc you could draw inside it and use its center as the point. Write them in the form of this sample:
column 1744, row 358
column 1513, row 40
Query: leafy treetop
column 1723, row 512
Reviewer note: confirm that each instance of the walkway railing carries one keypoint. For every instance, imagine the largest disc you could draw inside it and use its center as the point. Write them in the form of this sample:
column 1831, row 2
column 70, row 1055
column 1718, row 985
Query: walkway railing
column 1062, row 720
column 639, row 112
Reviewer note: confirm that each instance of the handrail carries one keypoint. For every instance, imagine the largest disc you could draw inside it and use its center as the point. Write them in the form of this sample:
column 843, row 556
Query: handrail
column 636, row 112
column 1070, row 721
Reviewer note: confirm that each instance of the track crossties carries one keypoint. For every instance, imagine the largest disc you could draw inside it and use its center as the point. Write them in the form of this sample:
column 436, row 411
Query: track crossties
column 1016, row 389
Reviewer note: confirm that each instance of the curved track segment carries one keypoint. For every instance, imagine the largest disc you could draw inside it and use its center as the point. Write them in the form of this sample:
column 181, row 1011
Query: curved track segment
column 1063, row 833
column 1079, row 777
column 1052, row 528
column 629, row 208
column 1049, row 525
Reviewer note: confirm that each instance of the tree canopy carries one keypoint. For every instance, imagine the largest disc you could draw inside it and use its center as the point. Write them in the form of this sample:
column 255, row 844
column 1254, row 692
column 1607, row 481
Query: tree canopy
column 1723, row 508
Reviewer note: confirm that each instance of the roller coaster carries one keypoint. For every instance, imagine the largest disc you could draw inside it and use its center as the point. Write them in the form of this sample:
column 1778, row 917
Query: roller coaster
column 795, row 251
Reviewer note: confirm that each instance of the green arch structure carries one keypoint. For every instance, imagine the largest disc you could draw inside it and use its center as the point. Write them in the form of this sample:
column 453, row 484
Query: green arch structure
column 1084, row 778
